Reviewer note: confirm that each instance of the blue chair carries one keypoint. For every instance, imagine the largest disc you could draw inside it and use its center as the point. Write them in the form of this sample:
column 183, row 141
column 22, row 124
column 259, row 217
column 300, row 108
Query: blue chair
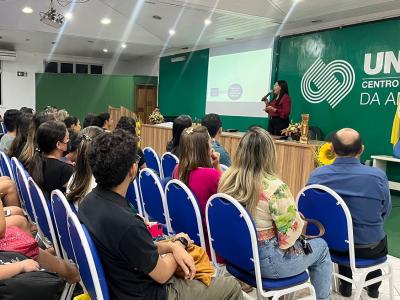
column 153, row 198
column 152, row 161
column 133, row 197
column 3, row 128
column 43, row 215
column 184, row 211
column 23, row 189
column 325, row 205
column 168, row 164
column 87, row 259
column 5, row 166
column 232, row 234
column 61, row 208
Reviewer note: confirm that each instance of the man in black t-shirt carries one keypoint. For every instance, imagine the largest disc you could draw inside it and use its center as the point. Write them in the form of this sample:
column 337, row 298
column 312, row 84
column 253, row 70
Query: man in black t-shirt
column 135, row 267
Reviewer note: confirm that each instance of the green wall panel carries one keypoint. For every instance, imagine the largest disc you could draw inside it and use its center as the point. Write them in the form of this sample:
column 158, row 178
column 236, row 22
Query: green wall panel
column 183, row 85
column 368, row 109
column 80, row 94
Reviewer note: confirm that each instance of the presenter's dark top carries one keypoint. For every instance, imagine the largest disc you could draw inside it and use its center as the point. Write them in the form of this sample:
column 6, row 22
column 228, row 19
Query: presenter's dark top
column 283, row 107
column 124, row 244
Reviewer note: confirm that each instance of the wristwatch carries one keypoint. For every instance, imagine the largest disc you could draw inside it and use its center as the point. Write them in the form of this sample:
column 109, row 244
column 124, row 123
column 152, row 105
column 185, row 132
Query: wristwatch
column 7, row 212
column 183, row 241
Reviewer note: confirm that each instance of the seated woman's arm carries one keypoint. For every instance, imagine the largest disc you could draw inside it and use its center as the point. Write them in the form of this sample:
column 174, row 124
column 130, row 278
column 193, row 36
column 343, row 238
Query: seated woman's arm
column 10, row 270
column 284, row 213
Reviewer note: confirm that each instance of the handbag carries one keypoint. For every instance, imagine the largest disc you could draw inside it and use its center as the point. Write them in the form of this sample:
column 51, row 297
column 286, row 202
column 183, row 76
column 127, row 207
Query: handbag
column 40, row 285
column 17, row 240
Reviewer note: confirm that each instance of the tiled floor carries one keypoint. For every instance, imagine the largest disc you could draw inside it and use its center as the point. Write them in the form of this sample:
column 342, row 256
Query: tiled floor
column 383, row 291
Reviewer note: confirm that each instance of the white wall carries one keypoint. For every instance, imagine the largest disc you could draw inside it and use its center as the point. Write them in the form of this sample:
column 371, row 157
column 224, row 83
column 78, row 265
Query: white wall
column 147, row 65
column 20, row 91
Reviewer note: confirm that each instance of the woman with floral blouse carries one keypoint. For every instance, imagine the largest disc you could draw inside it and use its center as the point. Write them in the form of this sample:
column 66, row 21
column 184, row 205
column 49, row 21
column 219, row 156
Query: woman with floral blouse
column 252, row 180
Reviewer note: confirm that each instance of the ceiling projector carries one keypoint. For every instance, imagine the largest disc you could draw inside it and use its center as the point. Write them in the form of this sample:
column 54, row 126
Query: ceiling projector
column 52, row 18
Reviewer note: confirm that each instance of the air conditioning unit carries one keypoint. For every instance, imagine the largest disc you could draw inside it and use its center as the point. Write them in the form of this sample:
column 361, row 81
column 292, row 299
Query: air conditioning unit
column 8, row 55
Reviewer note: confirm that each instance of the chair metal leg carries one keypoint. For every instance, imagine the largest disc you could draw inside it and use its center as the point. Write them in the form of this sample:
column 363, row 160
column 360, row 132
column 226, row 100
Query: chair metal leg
column 359, row 280
column 335, row 280
column 391, row 282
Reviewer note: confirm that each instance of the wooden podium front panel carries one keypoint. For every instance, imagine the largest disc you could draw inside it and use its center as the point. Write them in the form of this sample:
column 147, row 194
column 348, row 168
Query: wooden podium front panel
column 295, row 160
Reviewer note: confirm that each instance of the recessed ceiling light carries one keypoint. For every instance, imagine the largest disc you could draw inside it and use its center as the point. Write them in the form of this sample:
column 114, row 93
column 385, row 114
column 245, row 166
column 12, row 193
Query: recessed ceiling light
column 157, row 17
column 90, row 41
column 105, row 50
column 105, row 21
column 1, row 37
column 171, row 32
column 53, row 43
column 207, row 22
column 123, row 45
column 68, row 16
column 229, row 38
column 27, row 10
column 316, row 21
column 27, row 40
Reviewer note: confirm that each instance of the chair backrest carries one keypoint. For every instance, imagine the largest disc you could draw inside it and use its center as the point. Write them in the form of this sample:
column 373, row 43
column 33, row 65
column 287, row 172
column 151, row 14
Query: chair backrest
column 168, row 164
column 5, row 166
column 184, row 211
column 3, row 128
column 152, row 160
column 230, row 227
column 325, row 205
column 43, row 213
column 61, row 208
column 315, row 133
column 153, row 197
column 23, row 188
column 87, row 259
column 133, row 197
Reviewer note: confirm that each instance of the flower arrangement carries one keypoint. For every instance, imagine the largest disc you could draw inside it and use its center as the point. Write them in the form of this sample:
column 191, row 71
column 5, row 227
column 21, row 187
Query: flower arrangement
column 156, row 117
column 293, row 130
column 324, row 155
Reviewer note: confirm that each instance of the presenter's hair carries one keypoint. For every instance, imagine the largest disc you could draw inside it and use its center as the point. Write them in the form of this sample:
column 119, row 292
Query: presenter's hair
column 213, row 123
column 254, row 160
column 195, row 151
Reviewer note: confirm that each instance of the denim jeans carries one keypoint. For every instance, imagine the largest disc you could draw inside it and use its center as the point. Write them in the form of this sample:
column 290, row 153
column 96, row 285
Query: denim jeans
column 276, row 263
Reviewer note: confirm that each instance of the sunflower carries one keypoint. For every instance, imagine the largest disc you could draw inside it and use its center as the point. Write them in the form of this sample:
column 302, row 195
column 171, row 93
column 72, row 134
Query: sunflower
column 325, row 155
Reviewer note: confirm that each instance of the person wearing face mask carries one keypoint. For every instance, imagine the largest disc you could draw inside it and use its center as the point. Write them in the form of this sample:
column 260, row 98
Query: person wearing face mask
column 46, row 167
column 278, row 108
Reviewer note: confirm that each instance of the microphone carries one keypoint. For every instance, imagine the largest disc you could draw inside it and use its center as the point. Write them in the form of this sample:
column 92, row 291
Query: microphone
column 265, row 98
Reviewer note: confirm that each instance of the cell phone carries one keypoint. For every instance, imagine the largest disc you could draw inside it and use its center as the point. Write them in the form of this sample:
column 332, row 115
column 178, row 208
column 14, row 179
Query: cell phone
column 7, row 212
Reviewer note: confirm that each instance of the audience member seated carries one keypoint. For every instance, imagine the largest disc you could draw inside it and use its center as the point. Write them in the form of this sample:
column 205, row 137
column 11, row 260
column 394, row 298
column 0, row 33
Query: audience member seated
column 136, row 267
column 73, row 123
column 89, row 120
column 26, row 110
column 74, row 141
column 8, row 237
column 21, row 135
column 82, row 181
column 105, row 121
column 11, row 120
column 46, row 168
column 129, row 124
column 199, row 166
column 180, row 123
column 8, row 192
column 61, row 115
column 29, row 148
column 252, row 180
column 366, row 193
column 214, row 126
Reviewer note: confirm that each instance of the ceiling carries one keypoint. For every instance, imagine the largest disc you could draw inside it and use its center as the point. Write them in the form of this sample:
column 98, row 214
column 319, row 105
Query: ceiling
column 133, row 23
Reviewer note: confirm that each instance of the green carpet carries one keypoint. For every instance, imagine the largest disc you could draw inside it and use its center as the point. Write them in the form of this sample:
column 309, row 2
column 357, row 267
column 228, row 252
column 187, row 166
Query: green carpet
column 392, row 226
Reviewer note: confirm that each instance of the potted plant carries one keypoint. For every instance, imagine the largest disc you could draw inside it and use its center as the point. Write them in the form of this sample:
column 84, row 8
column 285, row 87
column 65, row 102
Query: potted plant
column 293, row 131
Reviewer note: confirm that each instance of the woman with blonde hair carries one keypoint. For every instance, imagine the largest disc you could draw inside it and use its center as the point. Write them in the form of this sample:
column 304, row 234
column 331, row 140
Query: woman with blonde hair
column 253, row 181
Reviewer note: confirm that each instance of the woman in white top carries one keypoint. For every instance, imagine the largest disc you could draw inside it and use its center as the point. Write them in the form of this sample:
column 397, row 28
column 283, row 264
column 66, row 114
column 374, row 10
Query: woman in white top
column 82, row 181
